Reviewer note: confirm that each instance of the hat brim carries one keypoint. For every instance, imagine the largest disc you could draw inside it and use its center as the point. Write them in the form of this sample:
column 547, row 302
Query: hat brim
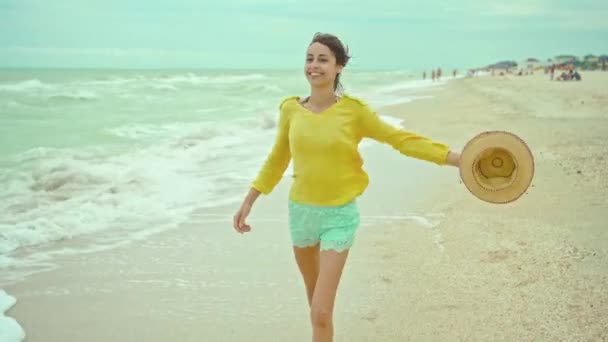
column 519, row 180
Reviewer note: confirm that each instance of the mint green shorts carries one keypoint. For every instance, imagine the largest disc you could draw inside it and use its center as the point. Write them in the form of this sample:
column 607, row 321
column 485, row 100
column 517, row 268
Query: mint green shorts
column 334, row 227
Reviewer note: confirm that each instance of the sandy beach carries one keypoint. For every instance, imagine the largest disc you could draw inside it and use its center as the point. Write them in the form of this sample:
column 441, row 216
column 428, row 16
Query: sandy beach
column 431, row 262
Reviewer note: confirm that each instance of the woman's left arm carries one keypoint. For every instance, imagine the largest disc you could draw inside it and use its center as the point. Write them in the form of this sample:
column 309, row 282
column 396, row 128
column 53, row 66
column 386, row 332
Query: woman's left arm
column 408, row 143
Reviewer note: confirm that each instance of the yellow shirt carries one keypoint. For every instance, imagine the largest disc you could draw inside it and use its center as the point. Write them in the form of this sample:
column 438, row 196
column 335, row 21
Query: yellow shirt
column 327, row 166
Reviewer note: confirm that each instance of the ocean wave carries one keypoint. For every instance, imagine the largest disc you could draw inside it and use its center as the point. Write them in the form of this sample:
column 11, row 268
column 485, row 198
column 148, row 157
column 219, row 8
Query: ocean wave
column 140, row 86
column 24, row 86
column 81, row 95
column 57, row 194
column 206, row 79
column 409, row 85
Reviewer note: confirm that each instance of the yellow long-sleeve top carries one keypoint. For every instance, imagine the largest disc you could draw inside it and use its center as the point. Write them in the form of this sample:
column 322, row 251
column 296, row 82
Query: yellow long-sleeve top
column 327, row 166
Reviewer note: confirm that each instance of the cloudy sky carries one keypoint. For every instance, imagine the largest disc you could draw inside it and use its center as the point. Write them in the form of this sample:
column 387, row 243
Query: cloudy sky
column 381, row 34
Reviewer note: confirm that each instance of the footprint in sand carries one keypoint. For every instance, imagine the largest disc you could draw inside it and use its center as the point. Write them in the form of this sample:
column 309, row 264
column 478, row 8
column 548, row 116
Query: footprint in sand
column 386, row 279
column 573, row 252
column 526, row 282
column 370, row 316
column 388, row 256
column 498, row 255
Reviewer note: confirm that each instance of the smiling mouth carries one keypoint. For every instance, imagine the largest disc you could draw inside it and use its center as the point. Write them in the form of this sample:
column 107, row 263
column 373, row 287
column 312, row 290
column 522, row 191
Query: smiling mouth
column 314, row 74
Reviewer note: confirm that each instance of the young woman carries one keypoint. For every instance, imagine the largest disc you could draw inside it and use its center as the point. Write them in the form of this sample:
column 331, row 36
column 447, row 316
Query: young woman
column 321, row 133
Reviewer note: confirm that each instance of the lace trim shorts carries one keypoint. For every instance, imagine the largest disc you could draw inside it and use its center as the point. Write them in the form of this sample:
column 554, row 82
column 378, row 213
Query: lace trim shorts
column 334, row 227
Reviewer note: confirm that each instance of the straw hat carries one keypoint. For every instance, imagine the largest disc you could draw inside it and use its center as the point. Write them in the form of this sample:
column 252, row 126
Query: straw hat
column 497, row 166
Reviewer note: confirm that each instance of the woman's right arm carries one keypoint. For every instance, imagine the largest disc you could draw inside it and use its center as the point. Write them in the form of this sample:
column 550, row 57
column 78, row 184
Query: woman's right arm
column 269, row 176
column 251, row 196
column 277, row 161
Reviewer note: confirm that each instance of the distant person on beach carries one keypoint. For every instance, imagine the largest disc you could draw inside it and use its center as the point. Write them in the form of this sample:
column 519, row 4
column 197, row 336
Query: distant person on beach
column 433, row 75
column 438, row 74
column 321, row 134
column 454, row 73
column 424, row 75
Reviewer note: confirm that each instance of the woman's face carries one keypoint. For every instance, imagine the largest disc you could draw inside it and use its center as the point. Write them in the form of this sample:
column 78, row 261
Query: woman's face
column 321, row 68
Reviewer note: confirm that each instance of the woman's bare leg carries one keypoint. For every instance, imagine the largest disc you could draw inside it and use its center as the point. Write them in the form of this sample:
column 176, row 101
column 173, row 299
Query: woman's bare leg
column 331, row 264
column 307, row 259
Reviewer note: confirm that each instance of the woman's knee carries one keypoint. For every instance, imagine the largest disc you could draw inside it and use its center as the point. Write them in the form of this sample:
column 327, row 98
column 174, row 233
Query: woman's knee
column 320, row 316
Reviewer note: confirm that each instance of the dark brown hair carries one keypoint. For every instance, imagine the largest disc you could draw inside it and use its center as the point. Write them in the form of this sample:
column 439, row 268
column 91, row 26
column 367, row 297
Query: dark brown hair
column 339, row 50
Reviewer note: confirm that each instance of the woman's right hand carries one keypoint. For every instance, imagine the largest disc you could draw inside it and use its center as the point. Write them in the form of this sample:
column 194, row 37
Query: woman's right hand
column 238, row 221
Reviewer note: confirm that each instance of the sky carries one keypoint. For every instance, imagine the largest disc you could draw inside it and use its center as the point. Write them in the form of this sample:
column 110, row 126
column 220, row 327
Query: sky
column 262, row 34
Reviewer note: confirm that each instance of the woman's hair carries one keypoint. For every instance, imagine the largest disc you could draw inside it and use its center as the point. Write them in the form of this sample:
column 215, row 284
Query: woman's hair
column 339, row 50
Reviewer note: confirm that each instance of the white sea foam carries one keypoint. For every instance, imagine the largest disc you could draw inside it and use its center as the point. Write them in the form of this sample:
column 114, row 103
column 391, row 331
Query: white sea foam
column 78, row 95
column 24, row 86
column 10, row 330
